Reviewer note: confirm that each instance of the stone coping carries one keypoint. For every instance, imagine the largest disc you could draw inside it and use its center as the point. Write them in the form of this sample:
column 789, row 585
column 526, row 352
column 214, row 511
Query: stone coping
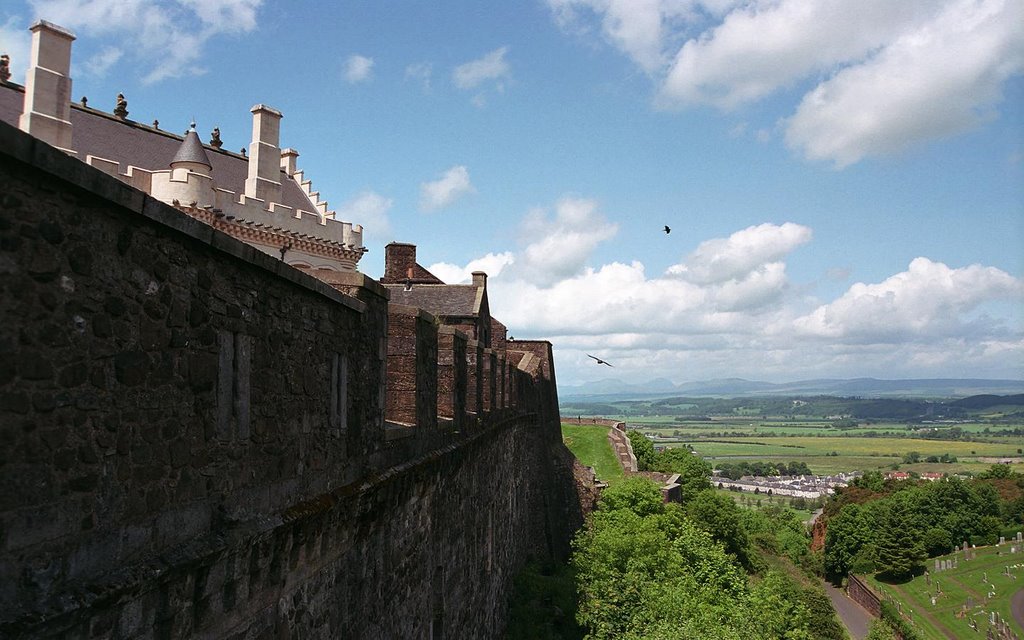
column 20, row 146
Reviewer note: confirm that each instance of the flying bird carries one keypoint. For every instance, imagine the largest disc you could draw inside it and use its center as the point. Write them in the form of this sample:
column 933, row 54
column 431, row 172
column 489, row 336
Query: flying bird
column 599, row 360
column 668, row 229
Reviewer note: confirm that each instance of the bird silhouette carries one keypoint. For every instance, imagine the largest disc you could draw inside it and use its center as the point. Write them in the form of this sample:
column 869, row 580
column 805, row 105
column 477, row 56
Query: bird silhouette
column 668, row 229
column 599, row 360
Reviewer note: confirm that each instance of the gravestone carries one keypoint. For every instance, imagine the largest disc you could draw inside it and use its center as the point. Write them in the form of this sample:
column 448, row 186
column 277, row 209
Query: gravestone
column 1002, row 541
column 937, row 565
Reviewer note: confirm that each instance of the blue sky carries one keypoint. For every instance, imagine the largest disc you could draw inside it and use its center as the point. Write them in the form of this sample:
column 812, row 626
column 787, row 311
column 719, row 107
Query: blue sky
column 844, row 180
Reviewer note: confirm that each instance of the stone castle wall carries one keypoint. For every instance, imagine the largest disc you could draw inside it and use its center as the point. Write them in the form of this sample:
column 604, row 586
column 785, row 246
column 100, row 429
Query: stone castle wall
column 195, row 442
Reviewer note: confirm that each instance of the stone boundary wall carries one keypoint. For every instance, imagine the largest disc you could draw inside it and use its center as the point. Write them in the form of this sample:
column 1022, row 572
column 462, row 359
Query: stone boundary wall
column 622, row 447
column 196, row 444
column 864, row 595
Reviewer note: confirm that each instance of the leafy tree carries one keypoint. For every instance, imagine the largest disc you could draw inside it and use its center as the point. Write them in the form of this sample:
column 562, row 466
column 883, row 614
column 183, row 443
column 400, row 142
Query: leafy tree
column 937, row 541
column 720, row 516
column 899, row 540
column 911, row 457
column 997, row 471
column 694, row 471
column 636, row 494
column 643, row 449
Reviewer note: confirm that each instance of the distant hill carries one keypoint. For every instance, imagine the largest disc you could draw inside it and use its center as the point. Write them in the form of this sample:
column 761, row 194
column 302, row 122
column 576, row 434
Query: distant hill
column 612, row 389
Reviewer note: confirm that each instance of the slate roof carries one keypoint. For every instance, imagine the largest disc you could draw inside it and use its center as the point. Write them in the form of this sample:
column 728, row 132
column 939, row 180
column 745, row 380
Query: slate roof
column 131, row 143
column 191, row 150
column 439, row 299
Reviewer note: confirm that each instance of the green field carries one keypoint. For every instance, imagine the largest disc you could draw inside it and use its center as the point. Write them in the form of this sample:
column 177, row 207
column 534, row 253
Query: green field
column 589, row 443
column 940, row 621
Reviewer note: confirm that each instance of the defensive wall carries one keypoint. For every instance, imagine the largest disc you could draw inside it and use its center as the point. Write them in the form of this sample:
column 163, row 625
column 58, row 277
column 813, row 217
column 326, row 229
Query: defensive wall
column 202, row 441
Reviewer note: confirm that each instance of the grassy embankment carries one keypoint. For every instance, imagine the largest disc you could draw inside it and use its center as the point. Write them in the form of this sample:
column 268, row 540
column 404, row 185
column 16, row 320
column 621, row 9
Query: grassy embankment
column 589, row 443
column 957, row 584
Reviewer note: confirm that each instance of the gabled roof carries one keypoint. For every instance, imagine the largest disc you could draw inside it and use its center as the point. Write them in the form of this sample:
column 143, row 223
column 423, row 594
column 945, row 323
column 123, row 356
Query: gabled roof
column 131, row 143
column 440, row 299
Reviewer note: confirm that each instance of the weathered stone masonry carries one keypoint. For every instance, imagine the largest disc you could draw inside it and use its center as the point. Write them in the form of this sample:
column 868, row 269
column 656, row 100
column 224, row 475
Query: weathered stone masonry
column 194, row 440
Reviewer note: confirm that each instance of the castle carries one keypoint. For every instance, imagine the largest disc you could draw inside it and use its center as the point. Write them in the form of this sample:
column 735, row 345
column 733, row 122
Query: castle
column 215, row 426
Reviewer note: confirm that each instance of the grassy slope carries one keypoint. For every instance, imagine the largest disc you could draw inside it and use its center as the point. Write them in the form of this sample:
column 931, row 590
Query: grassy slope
column 590, row 445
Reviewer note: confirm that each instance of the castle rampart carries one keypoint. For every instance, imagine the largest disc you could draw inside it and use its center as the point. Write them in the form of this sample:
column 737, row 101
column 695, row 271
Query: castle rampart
column 202, row 441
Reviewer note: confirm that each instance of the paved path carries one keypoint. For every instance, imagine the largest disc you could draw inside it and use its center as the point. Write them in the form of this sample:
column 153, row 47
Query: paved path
column 855, row 617
column 1017, row 607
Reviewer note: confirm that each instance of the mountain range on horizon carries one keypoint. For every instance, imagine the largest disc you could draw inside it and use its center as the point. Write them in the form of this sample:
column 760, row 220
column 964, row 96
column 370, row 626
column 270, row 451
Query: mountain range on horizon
column 931, row 387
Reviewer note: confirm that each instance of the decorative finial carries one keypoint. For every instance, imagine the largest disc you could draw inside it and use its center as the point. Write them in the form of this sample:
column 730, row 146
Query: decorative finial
column 121, row 110
column 85, row 101
column 243, row 151
column 5, row 68
column 192, row 125
column 156, row 123
column 215, row 141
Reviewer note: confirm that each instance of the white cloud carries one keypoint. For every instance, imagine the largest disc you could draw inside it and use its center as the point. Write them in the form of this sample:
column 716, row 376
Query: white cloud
column 369, row 209
column 558, row 246
column 928, row 300
column 491, row 67
column 16, row 42
column 420, row 72
column 168, row 37
column 358, row 68
column 729, row 309
column 492, row 264
column 447, row 189
column 939, row 79
column 642, row 29
column 762, row 47
column 736, row 257
column 99, row 64
column 885, row 75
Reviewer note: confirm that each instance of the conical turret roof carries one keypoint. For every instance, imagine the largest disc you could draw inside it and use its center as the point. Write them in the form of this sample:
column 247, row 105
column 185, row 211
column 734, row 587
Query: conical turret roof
column 191, row 150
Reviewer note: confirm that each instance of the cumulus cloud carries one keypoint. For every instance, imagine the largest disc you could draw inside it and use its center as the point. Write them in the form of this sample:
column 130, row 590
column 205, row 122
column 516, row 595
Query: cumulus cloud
column 735, row 257
column 369, row 209
column 729, row 310
column 559, row 242
column 168, row 37
column 928, row 300
column 358, row 68
column 887, row 75
column 492, row 264
column 490, row 68
column 935, row 80
column 637, row 27
column 447, row 189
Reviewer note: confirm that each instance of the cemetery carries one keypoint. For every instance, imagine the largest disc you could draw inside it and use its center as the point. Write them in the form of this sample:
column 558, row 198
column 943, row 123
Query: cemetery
column 964, row 594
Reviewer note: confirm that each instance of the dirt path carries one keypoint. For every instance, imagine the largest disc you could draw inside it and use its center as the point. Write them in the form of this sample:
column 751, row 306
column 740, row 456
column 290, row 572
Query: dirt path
column 924, row 614
column 854, row 617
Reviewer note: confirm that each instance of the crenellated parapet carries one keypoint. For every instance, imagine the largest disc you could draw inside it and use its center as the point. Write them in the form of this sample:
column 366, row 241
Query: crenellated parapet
column 314, row 239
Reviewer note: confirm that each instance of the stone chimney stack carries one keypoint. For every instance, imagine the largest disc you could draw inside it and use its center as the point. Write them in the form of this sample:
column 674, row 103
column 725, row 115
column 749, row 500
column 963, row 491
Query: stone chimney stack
column 399, row 262
column 264, row 181
column 47, row 110
column 479, row 279
column 289, row 164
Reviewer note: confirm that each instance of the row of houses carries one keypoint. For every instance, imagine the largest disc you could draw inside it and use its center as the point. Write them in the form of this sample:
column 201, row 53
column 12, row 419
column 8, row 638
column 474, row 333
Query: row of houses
column 793, row 486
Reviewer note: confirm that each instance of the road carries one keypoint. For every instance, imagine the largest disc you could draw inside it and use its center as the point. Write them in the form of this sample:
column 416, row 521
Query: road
column 854, row 617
